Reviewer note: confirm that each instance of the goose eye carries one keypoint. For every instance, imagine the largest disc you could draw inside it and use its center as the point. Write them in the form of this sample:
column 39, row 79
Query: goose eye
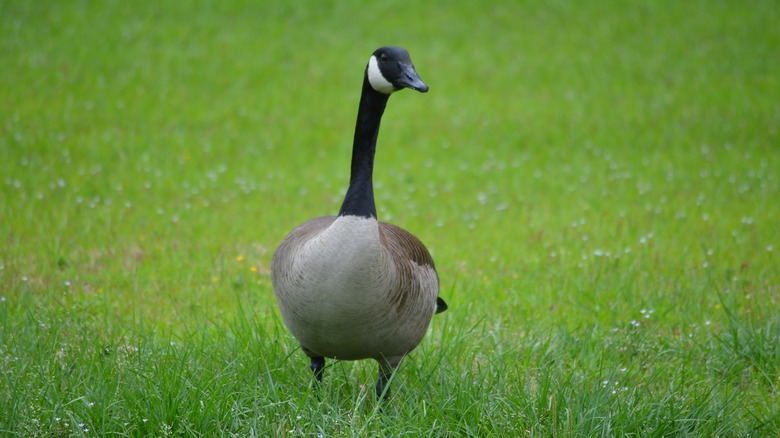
column 383, row 58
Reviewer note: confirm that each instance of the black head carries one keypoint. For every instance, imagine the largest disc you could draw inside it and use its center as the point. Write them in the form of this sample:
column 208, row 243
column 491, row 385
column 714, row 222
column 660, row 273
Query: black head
column 390, row 69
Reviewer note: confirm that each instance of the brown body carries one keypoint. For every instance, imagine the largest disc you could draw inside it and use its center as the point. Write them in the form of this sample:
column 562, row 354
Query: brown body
column 354, row 288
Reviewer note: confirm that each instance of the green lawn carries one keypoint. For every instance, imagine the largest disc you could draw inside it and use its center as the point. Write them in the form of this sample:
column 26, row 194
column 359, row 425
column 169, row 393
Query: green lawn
column 598, row 183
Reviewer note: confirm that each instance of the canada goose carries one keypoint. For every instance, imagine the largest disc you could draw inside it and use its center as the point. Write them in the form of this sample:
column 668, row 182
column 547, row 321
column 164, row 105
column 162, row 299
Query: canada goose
column 350, row 287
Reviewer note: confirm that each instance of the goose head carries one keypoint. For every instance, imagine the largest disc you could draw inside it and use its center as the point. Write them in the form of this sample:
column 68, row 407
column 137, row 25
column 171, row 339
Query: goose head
column 390, row 69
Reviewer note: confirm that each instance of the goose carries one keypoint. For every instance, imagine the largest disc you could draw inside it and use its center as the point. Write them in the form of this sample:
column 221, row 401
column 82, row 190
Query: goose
column 350, row 287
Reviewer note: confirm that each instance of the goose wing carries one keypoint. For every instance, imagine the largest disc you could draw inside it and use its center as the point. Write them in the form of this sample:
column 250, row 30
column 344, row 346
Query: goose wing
column 407, row 248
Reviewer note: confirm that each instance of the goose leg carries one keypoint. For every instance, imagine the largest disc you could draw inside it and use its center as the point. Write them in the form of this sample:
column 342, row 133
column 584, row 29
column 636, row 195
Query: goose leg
column 386, row 370
column 317, row 365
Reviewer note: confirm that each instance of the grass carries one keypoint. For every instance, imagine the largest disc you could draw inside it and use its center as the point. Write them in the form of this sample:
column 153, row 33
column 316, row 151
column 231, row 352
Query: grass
column 597, row 182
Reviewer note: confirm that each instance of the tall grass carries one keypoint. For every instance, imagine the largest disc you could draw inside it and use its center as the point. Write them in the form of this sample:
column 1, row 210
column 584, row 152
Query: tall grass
column 596, row 181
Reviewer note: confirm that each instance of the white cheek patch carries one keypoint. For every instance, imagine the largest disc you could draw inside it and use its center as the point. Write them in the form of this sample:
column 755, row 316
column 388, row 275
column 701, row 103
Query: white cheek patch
column 377, row 79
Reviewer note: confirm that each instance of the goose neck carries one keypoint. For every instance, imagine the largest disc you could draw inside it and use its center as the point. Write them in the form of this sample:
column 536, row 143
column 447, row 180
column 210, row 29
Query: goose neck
column 359, row 200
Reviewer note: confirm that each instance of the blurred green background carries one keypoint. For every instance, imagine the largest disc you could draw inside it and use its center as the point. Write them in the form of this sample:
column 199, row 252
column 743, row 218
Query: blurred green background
column 148, row 143
column 575, row 165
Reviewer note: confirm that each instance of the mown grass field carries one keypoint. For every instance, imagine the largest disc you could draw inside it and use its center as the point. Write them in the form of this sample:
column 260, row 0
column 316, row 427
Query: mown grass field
column 597, row 181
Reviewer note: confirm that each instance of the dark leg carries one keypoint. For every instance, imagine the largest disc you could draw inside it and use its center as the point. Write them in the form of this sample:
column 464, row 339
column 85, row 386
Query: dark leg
column 317, row 365
column 386, row 370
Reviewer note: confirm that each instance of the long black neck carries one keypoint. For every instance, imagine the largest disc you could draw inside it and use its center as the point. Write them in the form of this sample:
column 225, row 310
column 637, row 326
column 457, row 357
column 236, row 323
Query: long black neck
column 359, row 200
